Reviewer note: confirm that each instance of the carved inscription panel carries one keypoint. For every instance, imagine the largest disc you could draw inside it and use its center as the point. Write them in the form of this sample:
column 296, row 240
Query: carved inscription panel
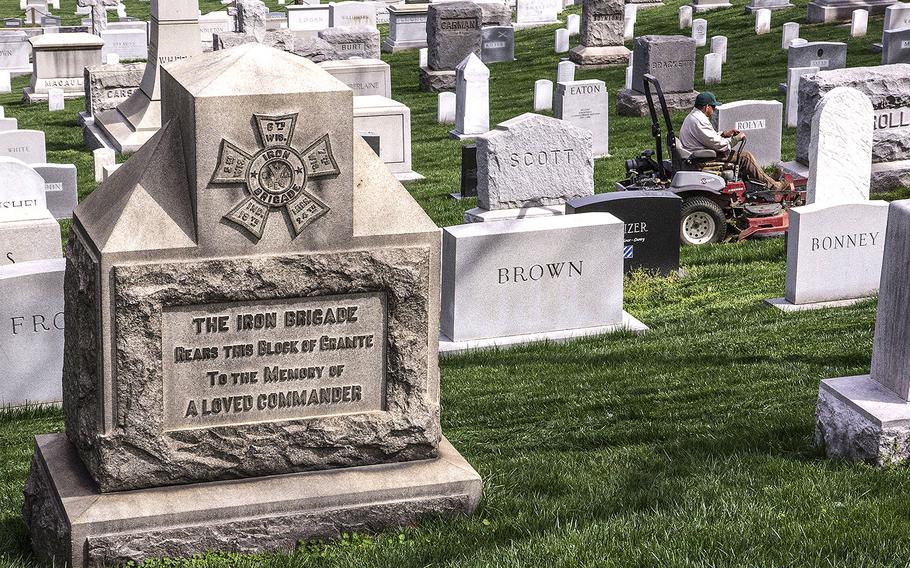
column 245, row 362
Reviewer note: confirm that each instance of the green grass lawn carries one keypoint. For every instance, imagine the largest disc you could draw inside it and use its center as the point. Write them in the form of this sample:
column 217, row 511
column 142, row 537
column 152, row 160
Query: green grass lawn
column 689, row 446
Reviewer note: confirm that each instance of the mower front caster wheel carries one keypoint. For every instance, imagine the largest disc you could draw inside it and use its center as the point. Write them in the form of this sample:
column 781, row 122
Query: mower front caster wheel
column 703, row 222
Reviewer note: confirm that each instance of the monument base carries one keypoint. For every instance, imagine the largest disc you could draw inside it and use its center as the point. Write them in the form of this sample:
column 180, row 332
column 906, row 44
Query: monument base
column 528, row 25
column 408, row 176
column 599, row 57
column 436, row 81
column 858, row 419
column 633, row 103
column 784, row 305
column 447, row 347
column 93, row 137
column 825, row 11
column 773, row 7
column 647, row 4
column 699, row 8
column 20, row 71
column 119, row 133
column 456, row 135
column 796, row 169
column 886, row 176
column 73, row 525
column 30, row 96
column 479, row 215
column 389, row 46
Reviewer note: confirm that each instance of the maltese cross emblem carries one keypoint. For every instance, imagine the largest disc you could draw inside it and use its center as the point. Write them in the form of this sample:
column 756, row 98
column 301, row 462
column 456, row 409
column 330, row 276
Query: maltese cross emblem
column 276, row 176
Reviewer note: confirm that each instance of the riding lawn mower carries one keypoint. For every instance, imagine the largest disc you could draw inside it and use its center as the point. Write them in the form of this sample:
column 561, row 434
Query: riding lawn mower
column 716, row 199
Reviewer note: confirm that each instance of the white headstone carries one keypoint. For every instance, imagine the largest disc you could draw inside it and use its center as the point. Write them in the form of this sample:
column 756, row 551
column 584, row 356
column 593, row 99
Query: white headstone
column 26, row 145
column 700, row 31
column 6, row 83
column 760, row 121
column 685, row 17
column 351, row 15
column 713, row 68
column 31, row 360
column 55, row 100
column 794, row 74
column 562, row 40
column 306, row 17
column 536, row 11
column 628, row 29
column 628, row 83
column 103, row 157
column 834, row 252
column 422, row 57
column 719, row 46
column 126, row 43
column 790, row 32
column 897, row 16
column 630, row 17
column 22, row 194
column 840, row 153
column 527, row 270
column 762, row 21
column 445, row 110
column 859, row 22
column 543, row 95
column 472, row 103
column 565, row 71
column 573, row 24
column 585, row 104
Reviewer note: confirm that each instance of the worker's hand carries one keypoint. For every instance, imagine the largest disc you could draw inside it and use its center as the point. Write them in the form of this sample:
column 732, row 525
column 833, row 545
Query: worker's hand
column 737, row 138
column 730, row 133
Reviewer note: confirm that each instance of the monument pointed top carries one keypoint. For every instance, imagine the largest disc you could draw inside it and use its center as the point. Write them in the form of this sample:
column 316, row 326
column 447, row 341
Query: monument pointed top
column 251, row 69
column 473, row 66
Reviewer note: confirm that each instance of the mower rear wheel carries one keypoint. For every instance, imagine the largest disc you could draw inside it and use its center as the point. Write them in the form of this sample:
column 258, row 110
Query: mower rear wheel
column 703, row 222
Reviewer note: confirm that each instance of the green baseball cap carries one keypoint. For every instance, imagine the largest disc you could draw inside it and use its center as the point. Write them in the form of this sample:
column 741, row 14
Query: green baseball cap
column 706, row 98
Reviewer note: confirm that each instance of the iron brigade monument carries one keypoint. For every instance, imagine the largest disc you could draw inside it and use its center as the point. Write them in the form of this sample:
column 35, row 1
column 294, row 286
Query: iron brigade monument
column 253, row 355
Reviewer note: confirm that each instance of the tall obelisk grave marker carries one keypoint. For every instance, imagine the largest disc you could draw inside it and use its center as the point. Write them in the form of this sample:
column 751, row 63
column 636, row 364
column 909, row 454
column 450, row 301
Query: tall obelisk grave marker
column 242, row 316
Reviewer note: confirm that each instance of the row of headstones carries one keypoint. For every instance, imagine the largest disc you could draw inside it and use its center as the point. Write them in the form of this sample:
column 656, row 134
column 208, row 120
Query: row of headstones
column 31, row 285
column 29, row 147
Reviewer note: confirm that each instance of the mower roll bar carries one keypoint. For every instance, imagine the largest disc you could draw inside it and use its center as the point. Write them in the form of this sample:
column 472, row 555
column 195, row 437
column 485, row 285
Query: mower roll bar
column 649, row 81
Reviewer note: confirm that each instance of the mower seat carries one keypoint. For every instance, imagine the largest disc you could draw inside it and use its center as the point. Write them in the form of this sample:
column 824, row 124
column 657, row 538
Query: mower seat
column 694, row 160
column 702, row 154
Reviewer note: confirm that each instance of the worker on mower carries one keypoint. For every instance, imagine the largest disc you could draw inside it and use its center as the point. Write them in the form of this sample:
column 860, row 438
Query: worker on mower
column 697, row 133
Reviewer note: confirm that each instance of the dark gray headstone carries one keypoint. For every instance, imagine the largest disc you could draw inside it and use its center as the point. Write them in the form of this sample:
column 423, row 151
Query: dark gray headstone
column 12, row 23
column 50, row 21
column 896, row 46
column 498, row 44
column 469, row 170
column 453, row 33
column 671, row 59
column 372, row 139
column 651, row 218
column 822, row 54
column 60, row 188
column 495, row 13
column 602, row 23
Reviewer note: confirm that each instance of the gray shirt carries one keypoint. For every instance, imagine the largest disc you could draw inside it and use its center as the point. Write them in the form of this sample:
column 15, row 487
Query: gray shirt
column 698, row 133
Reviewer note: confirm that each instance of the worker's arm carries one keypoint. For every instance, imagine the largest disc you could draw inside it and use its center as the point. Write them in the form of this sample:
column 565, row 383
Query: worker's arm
column 710, row 138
